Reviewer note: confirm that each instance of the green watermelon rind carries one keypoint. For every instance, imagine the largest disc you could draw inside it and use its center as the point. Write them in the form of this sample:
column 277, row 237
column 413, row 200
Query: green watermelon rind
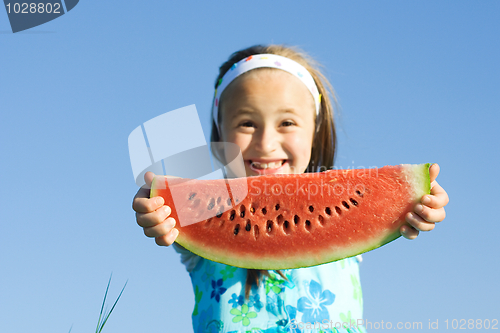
column 153, row 191
column 417, row 175
column 420, row 179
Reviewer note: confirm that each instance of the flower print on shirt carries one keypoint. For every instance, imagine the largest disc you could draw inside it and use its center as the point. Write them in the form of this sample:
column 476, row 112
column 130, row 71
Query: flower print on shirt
column 254, row 301
column 228, row 272
column 313, row 307
column 274, row 305
column 292, row 326
column 218, row 289
column 289, row 281
column 208, row 325
column 208, row 274
column 358, row 295
column 274, row 283
column 347, row 322
column 236, row 300
column 243, row 315
column 197, row 298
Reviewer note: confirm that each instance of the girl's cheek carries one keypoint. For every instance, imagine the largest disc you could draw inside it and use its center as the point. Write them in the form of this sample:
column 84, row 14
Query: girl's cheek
column 299, row 146
column 295, row 147
column 235, row 138
column 242, row 141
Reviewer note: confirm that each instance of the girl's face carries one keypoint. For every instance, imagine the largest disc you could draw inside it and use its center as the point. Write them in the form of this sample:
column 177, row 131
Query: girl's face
column 270, row 115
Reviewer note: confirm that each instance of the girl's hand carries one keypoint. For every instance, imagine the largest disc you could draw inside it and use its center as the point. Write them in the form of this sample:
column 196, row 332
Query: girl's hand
column 152, row 215
column 429, row 211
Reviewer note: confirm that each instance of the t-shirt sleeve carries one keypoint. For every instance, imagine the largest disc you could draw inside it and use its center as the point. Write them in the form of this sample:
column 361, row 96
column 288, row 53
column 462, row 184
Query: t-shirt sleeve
column 188, row 258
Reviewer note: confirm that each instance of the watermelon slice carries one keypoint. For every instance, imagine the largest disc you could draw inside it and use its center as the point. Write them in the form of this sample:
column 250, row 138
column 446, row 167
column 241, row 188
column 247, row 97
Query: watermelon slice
column 292, row 221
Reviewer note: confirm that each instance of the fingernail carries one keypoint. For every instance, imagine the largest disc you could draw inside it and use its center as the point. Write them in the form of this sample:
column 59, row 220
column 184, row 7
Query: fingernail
column 426, row 200
column 167, row 210
column 170, row 223
column 419, row 208
column 175, row 232
column 159, row 201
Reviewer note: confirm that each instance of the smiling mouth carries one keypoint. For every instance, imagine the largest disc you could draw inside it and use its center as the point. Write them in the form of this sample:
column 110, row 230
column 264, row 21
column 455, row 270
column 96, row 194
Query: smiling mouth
column 265, row 166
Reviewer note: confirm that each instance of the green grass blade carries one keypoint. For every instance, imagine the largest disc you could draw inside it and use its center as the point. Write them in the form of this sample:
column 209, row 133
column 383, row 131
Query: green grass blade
column 113, row 307
column 102, row 307
column 106, row 313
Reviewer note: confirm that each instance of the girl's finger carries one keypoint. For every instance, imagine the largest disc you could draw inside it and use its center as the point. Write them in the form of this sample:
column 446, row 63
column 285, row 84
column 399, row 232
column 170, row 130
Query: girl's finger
column 161, row 229
column 154, row 218
column 147, row 205
column 148, row 178
column 142, row 203
column 434, row 171
column 438, row 197
column 419, row 223
column 139, row 199
column 167, row 239
column 432, row 215
column 408, row 232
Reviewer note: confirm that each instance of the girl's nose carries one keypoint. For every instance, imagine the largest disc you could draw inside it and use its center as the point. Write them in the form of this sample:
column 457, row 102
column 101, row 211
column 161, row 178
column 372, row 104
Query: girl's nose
column 266, row 140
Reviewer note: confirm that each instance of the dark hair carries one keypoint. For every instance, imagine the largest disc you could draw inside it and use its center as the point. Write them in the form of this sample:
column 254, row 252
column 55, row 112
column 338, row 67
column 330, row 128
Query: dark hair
column 325, row 139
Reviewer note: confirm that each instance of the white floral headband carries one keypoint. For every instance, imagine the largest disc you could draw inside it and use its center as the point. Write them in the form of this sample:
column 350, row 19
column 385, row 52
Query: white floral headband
column 265, row 60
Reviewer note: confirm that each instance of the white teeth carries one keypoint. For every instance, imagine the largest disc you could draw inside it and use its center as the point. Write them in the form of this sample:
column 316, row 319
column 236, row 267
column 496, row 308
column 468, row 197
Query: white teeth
column 272, row 165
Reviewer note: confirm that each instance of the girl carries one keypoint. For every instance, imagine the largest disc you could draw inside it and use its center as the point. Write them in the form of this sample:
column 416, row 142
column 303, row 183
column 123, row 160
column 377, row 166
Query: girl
column 273, row 102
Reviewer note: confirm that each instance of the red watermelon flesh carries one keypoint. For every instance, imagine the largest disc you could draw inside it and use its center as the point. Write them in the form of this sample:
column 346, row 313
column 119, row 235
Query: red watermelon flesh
column 299, row 220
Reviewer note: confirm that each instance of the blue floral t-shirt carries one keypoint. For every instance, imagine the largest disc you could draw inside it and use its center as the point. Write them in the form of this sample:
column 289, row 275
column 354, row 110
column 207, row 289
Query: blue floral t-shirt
column 324, row 298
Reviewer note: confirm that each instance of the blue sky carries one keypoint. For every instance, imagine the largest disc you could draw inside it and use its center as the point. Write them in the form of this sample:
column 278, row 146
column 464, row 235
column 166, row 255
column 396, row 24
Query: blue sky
column 417, row 81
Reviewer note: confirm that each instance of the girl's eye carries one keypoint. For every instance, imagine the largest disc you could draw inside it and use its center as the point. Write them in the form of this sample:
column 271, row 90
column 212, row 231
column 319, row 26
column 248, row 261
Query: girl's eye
column 287, row 123
column 247, row 124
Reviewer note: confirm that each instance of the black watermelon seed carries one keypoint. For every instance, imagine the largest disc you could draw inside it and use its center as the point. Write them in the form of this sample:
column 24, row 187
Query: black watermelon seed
column 328, row 211
column 221, row 210
column 191, row 197
column 338, row 210
column 345, row 204
column 308, row 225
column 269, row 227
column 311, row 209
column 211, row 204
column 236, row 229
column 354, row 202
